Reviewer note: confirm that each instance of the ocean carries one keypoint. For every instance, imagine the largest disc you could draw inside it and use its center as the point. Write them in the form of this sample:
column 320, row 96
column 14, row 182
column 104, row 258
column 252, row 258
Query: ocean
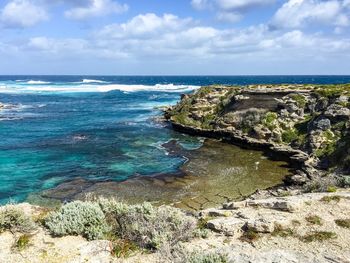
column 100, row 128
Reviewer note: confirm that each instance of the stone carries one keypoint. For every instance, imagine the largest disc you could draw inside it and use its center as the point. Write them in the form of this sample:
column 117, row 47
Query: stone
column 234, row 205
column 261, row 225
column 227, row 226
column 337, row 111
column 321, row 123
column 288, row 205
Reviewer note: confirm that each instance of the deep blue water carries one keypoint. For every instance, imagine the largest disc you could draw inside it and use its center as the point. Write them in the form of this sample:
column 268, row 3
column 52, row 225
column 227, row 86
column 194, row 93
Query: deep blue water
column 95, row 127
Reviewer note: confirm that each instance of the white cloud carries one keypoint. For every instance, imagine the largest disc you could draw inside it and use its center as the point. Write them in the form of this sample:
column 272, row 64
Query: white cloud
column 22, row 13
column 299, row 13
column 229, row 16
column 96, row 8
column 145, row 24
column 183, row 43
column 230, row 10
column 241, row 4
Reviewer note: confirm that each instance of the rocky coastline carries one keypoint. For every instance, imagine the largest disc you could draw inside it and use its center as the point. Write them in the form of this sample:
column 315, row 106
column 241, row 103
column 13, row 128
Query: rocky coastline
column 308, row 125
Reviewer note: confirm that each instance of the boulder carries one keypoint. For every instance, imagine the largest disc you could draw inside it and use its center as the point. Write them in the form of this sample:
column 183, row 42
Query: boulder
column 261, row 225
column 228, row 226
column 288, row 205
column 321, row 123
column 336, row 111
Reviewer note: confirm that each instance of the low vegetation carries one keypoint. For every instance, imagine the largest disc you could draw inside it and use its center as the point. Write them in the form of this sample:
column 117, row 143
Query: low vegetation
column 318, row 236
column 314, row 220
column 148, row 226
column 78, row 218
column 23, row 242
column 250, row 235
column 282, row 231
column 15, row 220
column 345, row 223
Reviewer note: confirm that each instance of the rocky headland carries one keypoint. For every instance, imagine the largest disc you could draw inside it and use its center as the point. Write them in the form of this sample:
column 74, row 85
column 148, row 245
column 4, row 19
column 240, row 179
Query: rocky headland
column 308, row 125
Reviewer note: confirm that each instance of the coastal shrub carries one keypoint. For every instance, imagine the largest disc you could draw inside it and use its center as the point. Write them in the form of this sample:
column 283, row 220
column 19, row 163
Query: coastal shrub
column 148, row 226
column 299, row 99
column 281, row 231
column 290, row 135
column 269, row 120
column 22, row 242
column 333, row 198
column 15, row 220
column 249, row 119
column 322, row 184
column 318, row 236
column 207, row 257
column 78, row 218
column 314, row 219
column 250, row 235
column 123, row 248
column 345, row 223
column 180, row 254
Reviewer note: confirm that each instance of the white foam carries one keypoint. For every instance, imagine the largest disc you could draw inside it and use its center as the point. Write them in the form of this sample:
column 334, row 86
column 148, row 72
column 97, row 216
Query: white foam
column 94, row 88
column 37, row 82
column 93, row 81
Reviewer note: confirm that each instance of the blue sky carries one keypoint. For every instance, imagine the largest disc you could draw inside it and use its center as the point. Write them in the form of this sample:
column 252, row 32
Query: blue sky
column 174, row 37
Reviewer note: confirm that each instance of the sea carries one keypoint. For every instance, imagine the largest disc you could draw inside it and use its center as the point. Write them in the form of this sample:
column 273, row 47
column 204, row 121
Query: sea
column 100, row 128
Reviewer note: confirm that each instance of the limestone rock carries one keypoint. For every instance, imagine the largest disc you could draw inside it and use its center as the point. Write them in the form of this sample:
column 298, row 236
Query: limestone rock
column 227, row 226
column 261, row 225
column 288, row 205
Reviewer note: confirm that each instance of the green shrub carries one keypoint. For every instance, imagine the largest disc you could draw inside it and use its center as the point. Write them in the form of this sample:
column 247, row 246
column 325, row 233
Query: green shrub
column 299, row 99
column 318, row 236
column 148, row 226
column 343, row 223
column 22, row 242
column 314, row 219
column 279, row 230
column 15, row 220
column 123, row 248
column 269, row 120
column 328, row 199
column 289, row 136
column 78, row 218
column 250, row 235
column 207, row 257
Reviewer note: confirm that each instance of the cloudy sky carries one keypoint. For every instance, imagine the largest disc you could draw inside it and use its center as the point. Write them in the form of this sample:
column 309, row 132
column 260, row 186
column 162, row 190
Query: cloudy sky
column 183, row 37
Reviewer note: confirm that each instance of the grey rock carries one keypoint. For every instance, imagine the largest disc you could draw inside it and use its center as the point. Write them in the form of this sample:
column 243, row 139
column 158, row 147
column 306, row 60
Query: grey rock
column 337, row 111
column 321, row 123
column 227, row 226
column 288, row 205
column 261, row 225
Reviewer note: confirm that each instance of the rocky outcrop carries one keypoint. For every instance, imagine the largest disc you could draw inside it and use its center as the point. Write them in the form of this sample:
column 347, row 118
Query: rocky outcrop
column 301, row 228
column 307, row 125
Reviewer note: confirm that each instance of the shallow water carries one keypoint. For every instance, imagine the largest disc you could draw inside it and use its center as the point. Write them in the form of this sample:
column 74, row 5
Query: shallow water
column 102, row 129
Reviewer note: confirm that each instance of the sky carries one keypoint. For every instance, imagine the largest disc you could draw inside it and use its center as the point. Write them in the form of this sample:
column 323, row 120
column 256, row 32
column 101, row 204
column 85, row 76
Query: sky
column 175, row 37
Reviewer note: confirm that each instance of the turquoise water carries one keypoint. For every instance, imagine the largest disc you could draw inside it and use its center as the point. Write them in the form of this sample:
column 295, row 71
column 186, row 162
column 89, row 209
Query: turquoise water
column 99, row 128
